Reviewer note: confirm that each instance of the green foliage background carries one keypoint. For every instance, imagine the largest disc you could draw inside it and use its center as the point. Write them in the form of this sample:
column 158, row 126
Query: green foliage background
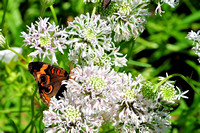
column 161, row 48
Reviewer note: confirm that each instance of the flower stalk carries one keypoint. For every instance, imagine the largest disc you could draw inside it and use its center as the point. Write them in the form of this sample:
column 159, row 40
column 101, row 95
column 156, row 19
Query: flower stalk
column 54, row 14
column 17, row 54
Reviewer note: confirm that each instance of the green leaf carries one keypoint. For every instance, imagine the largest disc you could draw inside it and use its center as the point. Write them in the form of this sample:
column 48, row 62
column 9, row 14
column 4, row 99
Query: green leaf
column 191, row 18
column 137, row 63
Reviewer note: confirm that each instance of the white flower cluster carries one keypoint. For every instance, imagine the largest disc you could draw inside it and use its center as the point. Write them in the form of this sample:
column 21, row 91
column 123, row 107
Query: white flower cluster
column 129, row 19
column 96, row 94
column 90, row 42
column 195, row 36
column 64, row 116
column 46, row 38
column 89, row 37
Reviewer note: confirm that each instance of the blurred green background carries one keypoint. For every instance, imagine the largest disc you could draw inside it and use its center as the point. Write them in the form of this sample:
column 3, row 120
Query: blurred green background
column 161, row 48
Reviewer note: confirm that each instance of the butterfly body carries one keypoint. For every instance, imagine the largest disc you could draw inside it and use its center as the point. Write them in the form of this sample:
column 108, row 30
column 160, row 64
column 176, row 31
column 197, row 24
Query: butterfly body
column 49, row 79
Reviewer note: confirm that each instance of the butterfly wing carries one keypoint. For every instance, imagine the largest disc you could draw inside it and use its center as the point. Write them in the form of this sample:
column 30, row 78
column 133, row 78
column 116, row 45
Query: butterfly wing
column 48, row 78
column 106, row 3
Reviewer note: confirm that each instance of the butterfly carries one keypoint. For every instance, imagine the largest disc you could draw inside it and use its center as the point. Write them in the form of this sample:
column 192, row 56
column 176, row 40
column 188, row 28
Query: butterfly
column 49, row 79
column 106, row 4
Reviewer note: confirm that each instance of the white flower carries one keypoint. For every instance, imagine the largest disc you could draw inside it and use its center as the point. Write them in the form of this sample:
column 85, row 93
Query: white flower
column 93, row 89
column 89, row 37
column 196, row 39
column 46, row 38
column 129, row 19
column 62, row 116
column 194, row 36
column 134, row 111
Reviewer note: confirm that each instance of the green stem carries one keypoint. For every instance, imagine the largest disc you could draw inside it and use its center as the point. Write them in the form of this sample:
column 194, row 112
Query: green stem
column 93, row 11
column 17, row 54
column 20, row 109
column 43, row 10
column 32, row 103
column 54, row 14
column 32, row 122
column 190, row 6
column 40, row 124
column 177, row 75
column 130, row 51
column 4, row 12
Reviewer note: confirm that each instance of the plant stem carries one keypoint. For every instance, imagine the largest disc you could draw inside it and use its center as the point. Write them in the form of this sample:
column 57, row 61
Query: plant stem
column 54, row 14
column 177, row 75
column 43, row 10
column 94, row 10
column 130, row 51
column 5, row 5
column 20, row 110
column 17, row 54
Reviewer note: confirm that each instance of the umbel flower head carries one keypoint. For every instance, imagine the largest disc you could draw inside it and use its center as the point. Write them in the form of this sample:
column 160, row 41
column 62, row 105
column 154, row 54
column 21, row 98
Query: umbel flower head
column 62, row 116
column 129, row 19
column 92, row 87
column 135, row 112
column 89, row 37
column 98, row 95
column 46, row 38
column 168, row 92
column 138, row 107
